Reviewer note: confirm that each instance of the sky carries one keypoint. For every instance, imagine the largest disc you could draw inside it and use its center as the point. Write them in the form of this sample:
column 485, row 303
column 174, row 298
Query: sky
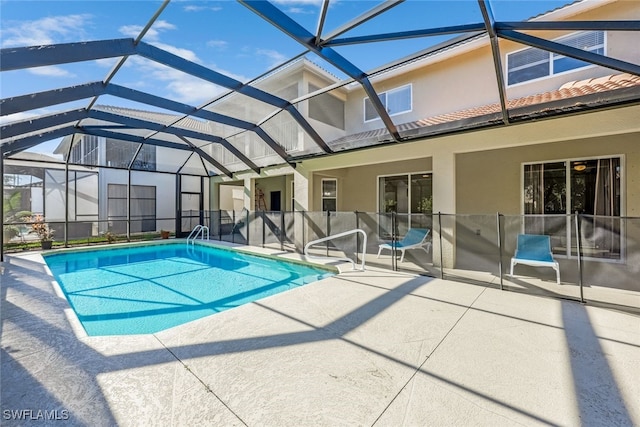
column 221, row 35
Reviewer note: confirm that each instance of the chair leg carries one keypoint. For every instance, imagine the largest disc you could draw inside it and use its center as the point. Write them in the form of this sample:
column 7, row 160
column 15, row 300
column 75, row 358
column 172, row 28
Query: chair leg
column 379, row 250
column 557, row 269
column 402, row 256
column 512, row 264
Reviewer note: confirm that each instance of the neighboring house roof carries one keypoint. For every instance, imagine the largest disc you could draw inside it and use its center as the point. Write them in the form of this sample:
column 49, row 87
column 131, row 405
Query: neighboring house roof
column 158, row 117
column 35, row 157
column 577, row 94
column 154, row 116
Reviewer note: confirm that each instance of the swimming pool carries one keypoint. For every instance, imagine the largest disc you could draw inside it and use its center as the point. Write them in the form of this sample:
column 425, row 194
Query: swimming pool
column 145, row 289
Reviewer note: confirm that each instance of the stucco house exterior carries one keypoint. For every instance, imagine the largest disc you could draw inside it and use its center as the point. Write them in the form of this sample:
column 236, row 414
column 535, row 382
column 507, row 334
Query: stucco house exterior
column 469, row 161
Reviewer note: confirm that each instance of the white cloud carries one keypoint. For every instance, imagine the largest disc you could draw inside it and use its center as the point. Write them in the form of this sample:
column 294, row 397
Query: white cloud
column 194, row 8
column 298, row 2
column 218, row 44
column 44, row 31
column 50, row 71
column 300, row 6
column 131, row 30
column 183, row 53
column 153, row 34
column 163, row 25
column 299, row 10
column 175, row 84
column 188, row 89
column 274, row 57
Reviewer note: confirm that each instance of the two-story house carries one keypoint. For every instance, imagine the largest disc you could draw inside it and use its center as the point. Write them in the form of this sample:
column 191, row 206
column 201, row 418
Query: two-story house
column 463, row 159
column 102, row 184
column 554, row 149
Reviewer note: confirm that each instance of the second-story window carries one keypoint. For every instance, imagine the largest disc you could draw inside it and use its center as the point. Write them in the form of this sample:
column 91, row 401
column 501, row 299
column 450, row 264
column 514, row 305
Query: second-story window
column 90, row 150
column 395, row 101
column 532, row 63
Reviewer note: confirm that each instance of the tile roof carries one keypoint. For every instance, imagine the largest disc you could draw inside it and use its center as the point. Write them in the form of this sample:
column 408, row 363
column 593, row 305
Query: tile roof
column 573, row 91
column 566, row 91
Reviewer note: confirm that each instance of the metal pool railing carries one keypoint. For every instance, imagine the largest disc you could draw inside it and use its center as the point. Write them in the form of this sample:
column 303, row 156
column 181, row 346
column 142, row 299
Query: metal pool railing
column 336, row 236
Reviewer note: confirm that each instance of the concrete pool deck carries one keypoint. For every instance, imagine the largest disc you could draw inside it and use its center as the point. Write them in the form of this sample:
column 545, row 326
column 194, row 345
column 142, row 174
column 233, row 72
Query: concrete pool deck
column 358, row 349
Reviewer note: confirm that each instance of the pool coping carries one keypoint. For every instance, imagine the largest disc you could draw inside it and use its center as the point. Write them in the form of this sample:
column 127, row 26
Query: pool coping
column 233, row 247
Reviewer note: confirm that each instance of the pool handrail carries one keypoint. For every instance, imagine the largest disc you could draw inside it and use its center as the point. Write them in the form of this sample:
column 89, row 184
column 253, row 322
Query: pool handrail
column 335, row 236
column 197, row 231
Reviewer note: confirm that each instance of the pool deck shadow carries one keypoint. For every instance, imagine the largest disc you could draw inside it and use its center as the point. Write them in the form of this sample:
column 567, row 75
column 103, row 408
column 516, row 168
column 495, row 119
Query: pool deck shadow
column 357, row 349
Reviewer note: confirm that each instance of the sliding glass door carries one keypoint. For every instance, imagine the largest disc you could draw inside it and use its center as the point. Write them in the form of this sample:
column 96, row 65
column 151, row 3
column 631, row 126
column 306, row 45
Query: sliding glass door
column 409, row 196
column 554, row 190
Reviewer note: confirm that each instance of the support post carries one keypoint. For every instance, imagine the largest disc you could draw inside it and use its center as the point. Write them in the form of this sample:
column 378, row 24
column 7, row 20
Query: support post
column 66, row 201
column 178, row 196
column 499, row 229
column 328, row 229
column 201, row 202
column 66, row 204
column 394, row 261
column 263, row 230
column 233, row 227
column 358, row 237
column 129, row 205
column 579, row 254
column 440, row 238
column 282, row 231
column 246, row 224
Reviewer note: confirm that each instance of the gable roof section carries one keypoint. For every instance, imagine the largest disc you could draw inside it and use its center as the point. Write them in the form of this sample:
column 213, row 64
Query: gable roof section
column 584, row 94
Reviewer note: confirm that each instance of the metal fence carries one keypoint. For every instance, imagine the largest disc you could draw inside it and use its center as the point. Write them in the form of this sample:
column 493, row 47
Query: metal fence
column 598, row 257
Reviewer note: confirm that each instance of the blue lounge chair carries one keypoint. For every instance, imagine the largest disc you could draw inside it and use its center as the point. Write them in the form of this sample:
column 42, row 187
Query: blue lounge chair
column 535, row 250
column 416, row 238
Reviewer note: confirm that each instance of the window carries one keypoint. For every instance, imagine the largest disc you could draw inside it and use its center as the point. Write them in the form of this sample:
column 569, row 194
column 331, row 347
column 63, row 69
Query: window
column 293, row 196
column 395, row 101
column 329, row 194
column 532, row 63
column 120, row 153
column 76, row 152
column 408, row 195
column 90, row 143
column 143, row 208
column 591, row 187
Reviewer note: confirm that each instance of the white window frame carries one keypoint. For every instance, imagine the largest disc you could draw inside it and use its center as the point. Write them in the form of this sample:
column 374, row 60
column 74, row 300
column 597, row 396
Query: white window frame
column 568, row 162
column 551, row 57
column 323, row 198
column 386, row 93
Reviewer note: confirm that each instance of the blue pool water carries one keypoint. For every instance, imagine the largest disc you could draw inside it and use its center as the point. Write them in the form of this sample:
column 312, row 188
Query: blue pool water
column 145, row 289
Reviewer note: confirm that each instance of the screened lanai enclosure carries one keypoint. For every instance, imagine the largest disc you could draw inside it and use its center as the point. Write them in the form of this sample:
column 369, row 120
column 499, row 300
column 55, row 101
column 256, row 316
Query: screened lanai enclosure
column 116, row 120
